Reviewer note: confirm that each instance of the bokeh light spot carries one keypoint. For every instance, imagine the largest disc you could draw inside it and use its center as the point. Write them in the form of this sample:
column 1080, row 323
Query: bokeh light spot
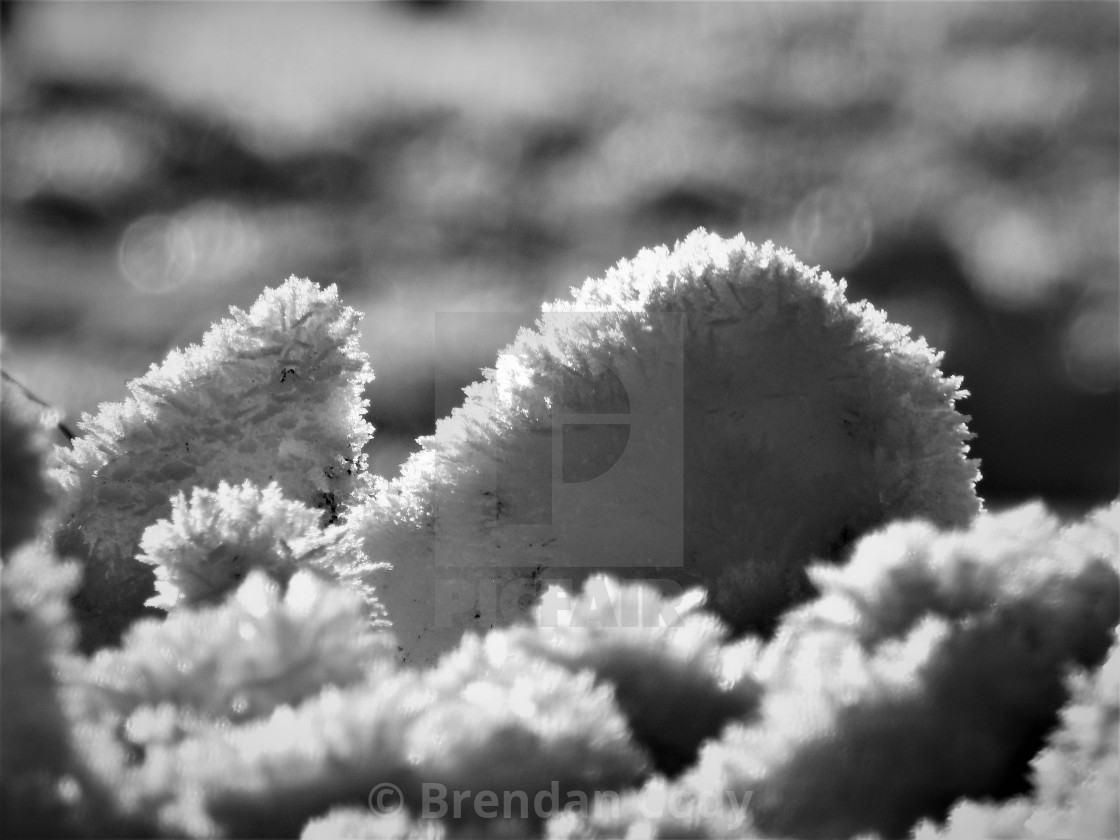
column 153, row 256
column 208, row 242
column 1091, row 346
column 1012, row 254
column 832, row 227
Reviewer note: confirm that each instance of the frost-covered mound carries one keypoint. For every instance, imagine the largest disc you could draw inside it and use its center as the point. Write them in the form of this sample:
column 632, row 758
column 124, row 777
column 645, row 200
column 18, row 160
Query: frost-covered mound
column 720, row 415
column 273, row 394
column 213, row 540
column 931, row 669
column 715, row 414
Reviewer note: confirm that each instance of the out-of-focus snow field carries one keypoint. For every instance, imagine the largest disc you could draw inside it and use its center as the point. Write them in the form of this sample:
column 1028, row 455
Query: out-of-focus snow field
column 958, row 163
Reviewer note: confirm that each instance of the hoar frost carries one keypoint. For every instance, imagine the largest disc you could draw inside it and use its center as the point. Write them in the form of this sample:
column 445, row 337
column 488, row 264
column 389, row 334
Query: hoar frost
column 272, row 394
column 763, row 421
column 748, row 423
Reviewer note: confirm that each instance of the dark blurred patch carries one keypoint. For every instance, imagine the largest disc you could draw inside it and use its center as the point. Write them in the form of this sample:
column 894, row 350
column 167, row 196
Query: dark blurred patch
column 922, row 261
column 8, row 12
column 548, row 143
column 142, row 153
column 44, row 321
column 68, row 214
column 1015, row 152
column 191, row 155
column 860, row 117
column 1037, row 433
column 429, row 8
column 683, row 207
column 1048, row 22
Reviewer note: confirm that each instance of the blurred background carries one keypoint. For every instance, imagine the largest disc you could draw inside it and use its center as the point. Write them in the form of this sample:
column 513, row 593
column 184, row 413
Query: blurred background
column 956, row 162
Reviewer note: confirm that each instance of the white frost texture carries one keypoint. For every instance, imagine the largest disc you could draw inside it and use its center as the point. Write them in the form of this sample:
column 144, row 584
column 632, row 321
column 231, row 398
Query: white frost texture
column 718, row 414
